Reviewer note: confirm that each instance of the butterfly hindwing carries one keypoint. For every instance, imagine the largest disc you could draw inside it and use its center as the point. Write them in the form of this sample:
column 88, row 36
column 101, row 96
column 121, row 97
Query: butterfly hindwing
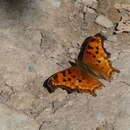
column 74, row 78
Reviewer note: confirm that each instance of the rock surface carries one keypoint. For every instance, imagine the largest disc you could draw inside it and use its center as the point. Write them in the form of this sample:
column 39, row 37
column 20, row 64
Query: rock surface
column 104, row 21
column 124, row 24
column 37, row 39
column 12, row 120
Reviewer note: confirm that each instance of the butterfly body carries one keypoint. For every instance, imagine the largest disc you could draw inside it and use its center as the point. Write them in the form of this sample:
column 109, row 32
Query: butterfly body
column 92, row 63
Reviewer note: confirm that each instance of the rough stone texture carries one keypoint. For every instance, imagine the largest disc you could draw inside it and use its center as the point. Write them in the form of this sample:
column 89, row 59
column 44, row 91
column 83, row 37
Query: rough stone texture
column 39, row 38
column 104, row 21
column 124, row 24
column 12, row 120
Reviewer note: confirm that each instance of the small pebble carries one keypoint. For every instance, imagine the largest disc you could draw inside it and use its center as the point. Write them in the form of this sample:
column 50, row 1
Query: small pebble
column 104, row 21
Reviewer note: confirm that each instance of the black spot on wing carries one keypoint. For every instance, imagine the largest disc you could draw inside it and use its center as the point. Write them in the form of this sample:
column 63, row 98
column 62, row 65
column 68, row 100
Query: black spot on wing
column 97, row 47
column 96, row 52
column 69, row 79
column 64, row 73
column 73, row 76
column 94, row 56
column 64, row 80
column 79, row 80
column 69, row 72
column 98, row 61
column 88, row 52
column 55, row 77
column 89, row 47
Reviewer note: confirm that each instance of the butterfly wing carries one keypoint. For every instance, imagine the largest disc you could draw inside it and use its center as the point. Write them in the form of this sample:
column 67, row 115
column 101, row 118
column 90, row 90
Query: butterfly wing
column 74, row 78
column 94, row 55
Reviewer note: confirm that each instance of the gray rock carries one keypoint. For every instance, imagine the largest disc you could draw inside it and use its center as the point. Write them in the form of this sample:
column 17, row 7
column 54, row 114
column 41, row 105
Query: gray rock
column 124, row 23
column 55, row 3
column 123, row 122
column 12, row 120
column 22, row 100
column 90, row 3
column 27, row 58
column 104, row 21
column 112, row 38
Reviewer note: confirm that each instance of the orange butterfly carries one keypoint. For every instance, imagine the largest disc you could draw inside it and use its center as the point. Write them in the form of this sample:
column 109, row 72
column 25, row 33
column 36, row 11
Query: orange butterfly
column 83, row 76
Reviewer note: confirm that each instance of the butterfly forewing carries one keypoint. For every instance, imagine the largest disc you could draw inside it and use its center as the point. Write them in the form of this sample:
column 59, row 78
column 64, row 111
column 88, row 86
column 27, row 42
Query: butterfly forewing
column 96, row 57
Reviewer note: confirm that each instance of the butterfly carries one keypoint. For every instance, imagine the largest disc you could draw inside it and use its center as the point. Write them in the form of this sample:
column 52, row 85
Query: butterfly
column 92, row 64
